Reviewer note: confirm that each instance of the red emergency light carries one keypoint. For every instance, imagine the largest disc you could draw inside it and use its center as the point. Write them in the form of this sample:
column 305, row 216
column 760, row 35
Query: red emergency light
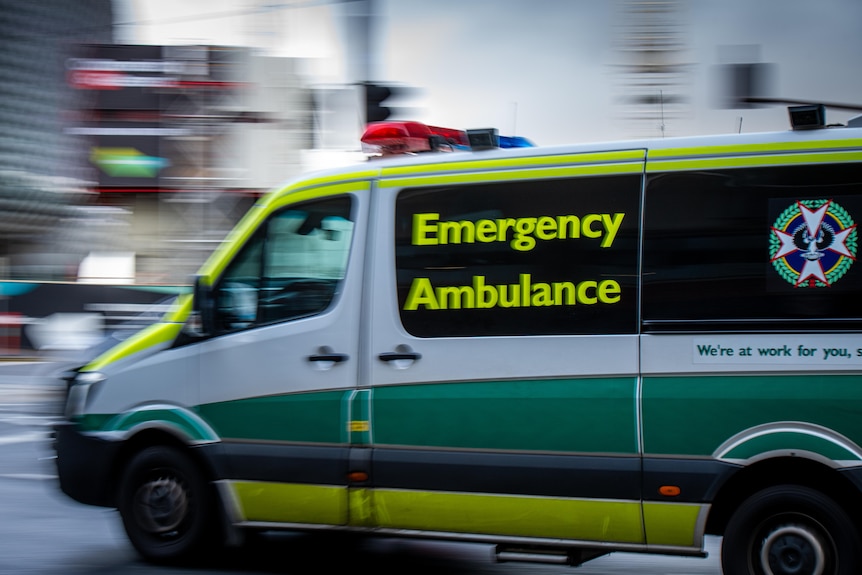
column 392, row 138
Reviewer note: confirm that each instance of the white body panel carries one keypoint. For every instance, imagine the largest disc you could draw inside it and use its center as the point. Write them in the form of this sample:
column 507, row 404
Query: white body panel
column 274, row 359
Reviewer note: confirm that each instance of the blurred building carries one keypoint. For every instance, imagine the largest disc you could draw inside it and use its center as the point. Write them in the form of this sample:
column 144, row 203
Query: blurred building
column 130, row 163
column 41, row 184
column 183, row 139
column 653, row 71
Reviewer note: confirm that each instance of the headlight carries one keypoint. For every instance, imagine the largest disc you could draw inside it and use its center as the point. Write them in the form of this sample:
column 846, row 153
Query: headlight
column 79, row 391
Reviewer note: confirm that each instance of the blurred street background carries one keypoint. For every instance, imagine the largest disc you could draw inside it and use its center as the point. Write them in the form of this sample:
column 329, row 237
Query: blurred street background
column 135, row 133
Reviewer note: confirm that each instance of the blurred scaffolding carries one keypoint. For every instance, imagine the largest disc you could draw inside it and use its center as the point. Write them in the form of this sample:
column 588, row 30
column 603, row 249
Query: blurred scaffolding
column 653, row 73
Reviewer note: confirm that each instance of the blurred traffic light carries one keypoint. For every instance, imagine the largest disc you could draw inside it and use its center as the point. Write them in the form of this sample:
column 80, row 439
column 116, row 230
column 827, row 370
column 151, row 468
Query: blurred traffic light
column 375, row 95
column 747, row 85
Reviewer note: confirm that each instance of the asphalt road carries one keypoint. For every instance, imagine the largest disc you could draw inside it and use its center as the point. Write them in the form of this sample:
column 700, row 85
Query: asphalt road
column 44, row 532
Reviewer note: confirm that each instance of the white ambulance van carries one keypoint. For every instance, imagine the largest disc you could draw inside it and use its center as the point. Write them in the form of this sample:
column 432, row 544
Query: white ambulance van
column 564, row 352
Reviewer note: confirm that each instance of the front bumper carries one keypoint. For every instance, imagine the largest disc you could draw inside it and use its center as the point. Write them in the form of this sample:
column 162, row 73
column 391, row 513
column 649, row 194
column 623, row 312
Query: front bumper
column 85, row 465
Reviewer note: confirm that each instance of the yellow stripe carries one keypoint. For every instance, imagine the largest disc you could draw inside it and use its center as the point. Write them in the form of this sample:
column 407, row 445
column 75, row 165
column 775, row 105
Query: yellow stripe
column 752, row 161
column 148, row 337
column 305, row 194
column 673, row 524
column 361, row 508
column 218, row 261
column 291, row 503
column 318, row 182
column 528, row 174
column 180, row 310
column 580, row 519
column 667, row 524
column 764, row 148
column 509, row 163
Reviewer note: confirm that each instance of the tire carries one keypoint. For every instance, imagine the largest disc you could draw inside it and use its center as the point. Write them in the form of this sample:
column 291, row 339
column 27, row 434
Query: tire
column 166, row 505
column 790, row 530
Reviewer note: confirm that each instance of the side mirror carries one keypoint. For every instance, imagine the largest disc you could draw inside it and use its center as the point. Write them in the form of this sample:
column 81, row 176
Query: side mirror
column 204, row 308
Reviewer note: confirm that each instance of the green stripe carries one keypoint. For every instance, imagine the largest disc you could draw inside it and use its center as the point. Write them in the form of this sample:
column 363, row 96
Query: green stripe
column 301, row 417
column 185, row 422
column 752, row 161
column 579, row 519
column 291, row 503
column 360, row 417
column 673, row 524
column 791, row 441
column 95, row 422
column 721, row 407
column 507, row 175
column 573, row 415
column 578, row 415
column 515, row 162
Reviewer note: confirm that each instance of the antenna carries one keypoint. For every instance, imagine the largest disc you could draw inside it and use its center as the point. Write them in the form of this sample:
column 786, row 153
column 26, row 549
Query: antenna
column 739, row 129
column 661, row 102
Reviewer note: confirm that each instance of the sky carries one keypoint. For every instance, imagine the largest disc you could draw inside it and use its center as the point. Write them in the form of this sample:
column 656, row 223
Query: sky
column 551, row 70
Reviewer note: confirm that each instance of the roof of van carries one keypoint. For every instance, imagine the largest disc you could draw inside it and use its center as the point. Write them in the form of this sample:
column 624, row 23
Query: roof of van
column 722, row 144
column 665, row 153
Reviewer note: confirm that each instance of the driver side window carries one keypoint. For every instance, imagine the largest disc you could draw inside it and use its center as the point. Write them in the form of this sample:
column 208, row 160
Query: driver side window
column 291, row 268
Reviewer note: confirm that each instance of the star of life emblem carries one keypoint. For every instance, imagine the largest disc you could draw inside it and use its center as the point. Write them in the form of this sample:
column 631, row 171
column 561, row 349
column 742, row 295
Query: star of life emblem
column 813, row 243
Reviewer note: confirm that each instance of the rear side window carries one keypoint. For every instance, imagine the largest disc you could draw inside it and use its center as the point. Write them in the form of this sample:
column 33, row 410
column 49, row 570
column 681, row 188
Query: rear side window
column 760, row 247
column 519, row 258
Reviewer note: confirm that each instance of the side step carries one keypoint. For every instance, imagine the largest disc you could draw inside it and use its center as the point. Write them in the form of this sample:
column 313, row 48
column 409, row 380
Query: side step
column 558, row 555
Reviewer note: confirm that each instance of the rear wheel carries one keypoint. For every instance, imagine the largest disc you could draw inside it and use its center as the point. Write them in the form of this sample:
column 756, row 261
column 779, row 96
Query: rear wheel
column 166, row 505
column 790, row 530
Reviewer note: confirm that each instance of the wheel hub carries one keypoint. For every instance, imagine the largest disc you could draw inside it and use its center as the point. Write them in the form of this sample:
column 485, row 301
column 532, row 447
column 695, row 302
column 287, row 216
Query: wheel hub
column 792, row 550
column 161, row 505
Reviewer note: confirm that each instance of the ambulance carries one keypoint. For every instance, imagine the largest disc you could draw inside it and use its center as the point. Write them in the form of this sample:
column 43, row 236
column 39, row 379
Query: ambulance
column 562, row 352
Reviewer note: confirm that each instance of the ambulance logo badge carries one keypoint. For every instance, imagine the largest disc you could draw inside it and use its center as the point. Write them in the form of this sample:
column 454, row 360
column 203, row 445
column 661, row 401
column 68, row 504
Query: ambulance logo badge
column 813, row 243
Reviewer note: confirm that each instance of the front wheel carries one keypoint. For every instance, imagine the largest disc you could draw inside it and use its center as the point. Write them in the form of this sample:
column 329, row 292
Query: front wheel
column 790, row 530
column 166, row 505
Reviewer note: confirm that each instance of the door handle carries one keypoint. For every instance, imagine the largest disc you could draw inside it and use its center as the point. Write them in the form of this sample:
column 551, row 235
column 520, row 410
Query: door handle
column 326, row 353
column 395, row 356
column 402, row 353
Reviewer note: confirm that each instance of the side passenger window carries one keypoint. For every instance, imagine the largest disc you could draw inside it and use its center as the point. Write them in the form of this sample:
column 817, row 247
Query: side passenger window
column 291, row 268
column 757, row 248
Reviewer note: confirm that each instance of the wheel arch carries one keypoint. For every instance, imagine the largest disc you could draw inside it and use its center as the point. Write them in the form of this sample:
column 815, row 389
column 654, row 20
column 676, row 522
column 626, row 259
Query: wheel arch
column 161, row 435
column 782, row 469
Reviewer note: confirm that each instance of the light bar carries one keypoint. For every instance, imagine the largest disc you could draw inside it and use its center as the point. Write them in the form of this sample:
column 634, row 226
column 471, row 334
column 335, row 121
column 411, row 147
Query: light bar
column 395, row 138
column 391, row 138
column 515, row 142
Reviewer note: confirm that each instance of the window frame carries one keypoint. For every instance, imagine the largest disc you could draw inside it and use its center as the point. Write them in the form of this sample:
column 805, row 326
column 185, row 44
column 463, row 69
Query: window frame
column 765, row 188
column 262, row 235
column 518, row 195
